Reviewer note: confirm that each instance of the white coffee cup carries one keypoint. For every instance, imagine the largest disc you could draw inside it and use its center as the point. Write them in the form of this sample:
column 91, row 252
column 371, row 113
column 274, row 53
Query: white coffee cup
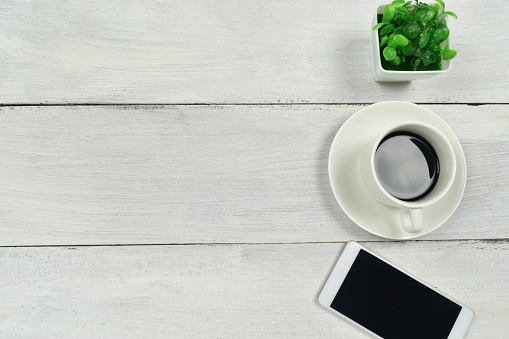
column 410, row 211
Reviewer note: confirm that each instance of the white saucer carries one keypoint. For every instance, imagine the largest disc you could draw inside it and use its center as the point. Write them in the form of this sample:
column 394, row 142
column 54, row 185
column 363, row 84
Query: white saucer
column 346, row 182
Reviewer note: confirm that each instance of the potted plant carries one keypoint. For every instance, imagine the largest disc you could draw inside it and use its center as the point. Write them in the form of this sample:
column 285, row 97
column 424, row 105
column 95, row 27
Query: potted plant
column 410, row 41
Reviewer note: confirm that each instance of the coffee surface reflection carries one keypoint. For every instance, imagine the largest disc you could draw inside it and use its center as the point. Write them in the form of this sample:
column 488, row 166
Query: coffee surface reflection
column 406, row 165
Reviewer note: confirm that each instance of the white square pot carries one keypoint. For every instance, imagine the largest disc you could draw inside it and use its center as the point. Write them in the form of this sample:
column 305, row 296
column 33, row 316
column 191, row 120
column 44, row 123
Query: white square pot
column 382, row 75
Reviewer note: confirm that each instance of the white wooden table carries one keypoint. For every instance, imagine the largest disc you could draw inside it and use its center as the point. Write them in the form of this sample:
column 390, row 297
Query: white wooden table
column 163, row 166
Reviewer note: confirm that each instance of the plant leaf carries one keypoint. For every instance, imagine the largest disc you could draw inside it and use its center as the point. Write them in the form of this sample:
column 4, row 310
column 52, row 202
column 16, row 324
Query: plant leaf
column 440, row 35
column 389, row 12
column 399, row 30
column 433, row 47
column 424, row 39
column 387, row 29
column 444, row 49
column 428, row 58
column 441, row 3
column 384, row 40
column 400, row 40
column 392, row 43
column 452, row 14
column 389, row 53
column 409, row 49
column 449, row 54
column 415, row 63
column 398, row 3
column 408, row 3
column 411, row 30
column 436, row 7
column 377, row 26
column 402, row 10
column 424, row 14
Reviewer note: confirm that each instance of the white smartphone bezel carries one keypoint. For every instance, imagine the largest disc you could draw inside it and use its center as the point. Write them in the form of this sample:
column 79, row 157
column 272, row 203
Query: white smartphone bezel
column 341, row 269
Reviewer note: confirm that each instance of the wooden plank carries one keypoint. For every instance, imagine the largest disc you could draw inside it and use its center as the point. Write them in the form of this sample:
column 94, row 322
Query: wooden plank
column 210, row 174
column 226, row 51
column 234, row 291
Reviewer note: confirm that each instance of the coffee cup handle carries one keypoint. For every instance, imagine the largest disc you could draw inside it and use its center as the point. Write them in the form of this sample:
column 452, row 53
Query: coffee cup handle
column 411, row 219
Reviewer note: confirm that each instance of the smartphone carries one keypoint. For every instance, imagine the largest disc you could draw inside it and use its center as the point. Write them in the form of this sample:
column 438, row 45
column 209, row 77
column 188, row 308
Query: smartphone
column 388, row 302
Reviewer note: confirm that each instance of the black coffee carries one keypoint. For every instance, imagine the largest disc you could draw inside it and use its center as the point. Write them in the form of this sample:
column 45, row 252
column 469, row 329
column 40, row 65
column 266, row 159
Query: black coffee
column 406, row 165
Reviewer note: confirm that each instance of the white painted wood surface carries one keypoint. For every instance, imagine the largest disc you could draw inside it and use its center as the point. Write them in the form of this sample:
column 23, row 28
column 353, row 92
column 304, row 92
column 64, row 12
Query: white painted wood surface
column 227, row 51
column 218, row 291
column 211, row 174
column 224, row 219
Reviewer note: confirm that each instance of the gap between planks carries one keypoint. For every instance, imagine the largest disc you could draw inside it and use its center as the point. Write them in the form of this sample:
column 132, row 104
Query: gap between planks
column 71, row 246
column 98, row 104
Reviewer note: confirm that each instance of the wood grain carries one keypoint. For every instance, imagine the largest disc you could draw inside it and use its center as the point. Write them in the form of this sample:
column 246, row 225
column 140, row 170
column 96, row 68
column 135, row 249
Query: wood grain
column 226, row 51
column 236, row 291
column 211, row 174
column 238, row 194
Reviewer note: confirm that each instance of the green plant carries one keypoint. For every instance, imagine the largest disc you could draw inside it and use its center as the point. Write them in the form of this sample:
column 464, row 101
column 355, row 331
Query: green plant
column 412, row 34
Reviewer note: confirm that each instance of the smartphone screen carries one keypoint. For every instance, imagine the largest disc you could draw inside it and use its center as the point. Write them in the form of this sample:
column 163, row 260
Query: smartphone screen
column 391, row 304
